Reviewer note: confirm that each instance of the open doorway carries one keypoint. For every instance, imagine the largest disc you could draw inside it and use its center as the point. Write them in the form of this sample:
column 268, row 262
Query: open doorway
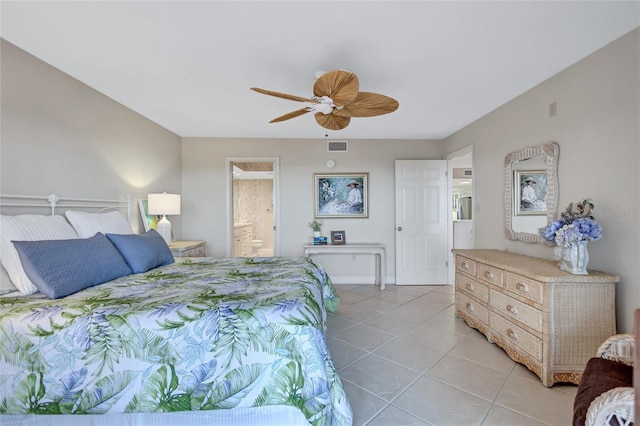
column 252, row 207
column 460, row 172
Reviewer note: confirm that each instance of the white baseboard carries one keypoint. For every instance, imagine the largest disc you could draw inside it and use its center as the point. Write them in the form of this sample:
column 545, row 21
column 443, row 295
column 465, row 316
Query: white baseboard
column 368, row 279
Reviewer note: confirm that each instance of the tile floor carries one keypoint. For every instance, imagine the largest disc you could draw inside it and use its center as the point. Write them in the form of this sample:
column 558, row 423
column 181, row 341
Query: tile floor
column 405, row 359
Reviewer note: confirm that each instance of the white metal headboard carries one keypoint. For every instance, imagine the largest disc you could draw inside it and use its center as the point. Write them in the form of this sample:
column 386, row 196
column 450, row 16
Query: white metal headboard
column 53, row 201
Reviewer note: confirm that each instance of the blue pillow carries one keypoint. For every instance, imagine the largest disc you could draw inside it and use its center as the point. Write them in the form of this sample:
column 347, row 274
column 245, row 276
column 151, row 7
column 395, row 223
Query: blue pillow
column 142, row 252
column 59, row 268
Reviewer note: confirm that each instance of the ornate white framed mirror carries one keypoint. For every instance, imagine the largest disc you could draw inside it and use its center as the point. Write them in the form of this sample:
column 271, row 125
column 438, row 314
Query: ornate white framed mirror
column 530, row 192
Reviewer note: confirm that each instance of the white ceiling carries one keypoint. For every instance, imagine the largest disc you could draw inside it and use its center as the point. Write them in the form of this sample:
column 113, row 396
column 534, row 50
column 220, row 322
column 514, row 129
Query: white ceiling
column 188, row 66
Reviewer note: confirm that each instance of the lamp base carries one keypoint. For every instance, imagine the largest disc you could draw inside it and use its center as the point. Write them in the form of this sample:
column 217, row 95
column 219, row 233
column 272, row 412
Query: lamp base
column 164, row 229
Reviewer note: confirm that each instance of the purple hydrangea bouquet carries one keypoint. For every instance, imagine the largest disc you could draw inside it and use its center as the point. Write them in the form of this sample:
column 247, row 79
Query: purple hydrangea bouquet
column 576, row 224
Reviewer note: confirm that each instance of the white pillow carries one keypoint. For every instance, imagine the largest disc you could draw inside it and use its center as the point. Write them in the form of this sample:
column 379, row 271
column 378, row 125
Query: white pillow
column 28, row 227
column 88, row 224
column 6, row 286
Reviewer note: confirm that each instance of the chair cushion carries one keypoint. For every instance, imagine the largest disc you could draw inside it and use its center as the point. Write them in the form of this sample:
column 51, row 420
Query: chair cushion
column 599, row 376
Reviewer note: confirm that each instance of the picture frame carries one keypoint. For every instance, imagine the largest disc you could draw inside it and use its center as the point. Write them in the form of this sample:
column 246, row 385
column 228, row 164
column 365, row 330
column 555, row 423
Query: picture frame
column 338, row 238
column 531, row 196
column 343, row 195
column 148, row 220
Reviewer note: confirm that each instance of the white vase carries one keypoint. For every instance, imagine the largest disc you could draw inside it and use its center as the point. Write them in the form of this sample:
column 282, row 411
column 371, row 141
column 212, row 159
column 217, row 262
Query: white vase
column 575, row 258
column 317, row 234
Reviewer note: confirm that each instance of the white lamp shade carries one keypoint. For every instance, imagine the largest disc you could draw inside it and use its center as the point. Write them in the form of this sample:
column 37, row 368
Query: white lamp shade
column 164, row 204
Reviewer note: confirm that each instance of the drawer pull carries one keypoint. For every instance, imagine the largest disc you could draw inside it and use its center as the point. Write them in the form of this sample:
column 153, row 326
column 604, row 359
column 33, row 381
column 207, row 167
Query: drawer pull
column 470, row 287
column 512, row 334
column 489, row 275
column 470, row 307
column 512, row 309
column 522, row 287
column 465, row 265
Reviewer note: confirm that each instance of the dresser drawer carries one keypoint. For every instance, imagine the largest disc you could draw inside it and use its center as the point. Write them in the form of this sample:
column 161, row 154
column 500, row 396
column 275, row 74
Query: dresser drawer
column 489, row 274
column 512, row 308
column 466, row 265
column 472, row 307
column 525, row 287
column 474, row 288
column 514, row 335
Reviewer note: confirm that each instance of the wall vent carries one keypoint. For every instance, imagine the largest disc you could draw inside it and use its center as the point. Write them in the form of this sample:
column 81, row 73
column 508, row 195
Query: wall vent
column 337, row 146
column 460, row 173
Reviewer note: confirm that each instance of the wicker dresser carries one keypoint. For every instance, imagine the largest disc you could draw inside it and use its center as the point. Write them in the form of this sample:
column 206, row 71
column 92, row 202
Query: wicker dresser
column 547, row 319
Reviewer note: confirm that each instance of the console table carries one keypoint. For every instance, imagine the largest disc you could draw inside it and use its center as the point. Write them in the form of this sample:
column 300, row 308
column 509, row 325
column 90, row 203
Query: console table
column 547, row 319
column 376, row 249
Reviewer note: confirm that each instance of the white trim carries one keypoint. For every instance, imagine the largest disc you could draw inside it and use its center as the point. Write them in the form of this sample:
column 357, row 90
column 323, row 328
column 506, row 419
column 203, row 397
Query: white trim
column 449, row 158
column 276, row 198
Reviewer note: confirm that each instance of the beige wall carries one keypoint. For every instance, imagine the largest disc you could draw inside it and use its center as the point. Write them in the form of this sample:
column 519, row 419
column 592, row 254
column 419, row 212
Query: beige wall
column 60, row 136
column 204, row 192
column 597, row 128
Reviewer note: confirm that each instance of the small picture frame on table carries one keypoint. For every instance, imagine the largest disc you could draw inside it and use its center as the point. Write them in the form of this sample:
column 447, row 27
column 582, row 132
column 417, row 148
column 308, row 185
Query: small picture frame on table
column 338, row 238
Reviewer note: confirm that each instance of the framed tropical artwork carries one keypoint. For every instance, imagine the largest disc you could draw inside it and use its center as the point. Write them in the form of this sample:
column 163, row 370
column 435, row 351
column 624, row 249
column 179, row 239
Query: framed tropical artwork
column 341, row 195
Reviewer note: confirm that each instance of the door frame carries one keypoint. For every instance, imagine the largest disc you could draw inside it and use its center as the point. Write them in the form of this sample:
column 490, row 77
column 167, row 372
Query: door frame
column 276, row 198
column 449, row 158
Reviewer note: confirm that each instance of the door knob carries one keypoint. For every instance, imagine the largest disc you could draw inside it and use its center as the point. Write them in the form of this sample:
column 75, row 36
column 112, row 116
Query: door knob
column 399, row 228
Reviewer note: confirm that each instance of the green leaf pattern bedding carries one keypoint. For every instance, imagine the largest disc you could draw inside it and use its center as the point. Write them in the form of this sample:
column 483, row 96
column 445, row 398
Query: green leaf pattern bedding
column 204, row 334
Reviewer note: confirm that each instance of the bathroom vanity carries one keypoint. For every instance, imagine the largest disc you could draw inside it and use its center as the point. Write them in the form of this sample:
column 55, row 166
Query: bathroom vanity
column 242, row 239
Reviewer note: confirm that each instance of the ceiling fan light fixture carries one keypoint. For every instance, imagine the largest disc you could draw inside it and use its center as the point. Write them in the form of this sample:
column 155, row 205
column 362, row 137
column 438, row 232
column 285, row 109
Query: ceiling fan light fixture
column 322, row 107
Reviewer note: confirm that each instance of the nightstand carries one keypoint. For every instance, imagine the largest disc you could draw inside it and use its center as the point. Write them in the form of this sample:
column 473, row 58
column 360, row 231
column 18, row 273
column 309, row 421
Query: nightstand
column 187, row 248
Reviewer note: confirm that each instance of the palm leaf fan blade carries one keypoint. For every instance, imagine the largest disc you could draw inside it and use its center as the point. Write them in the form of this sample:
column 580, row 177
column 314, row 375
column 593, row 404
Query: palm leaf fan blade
column 290, row 115
column 368, row 104
column 283, row 95
column 341, row 86
column 332, row 121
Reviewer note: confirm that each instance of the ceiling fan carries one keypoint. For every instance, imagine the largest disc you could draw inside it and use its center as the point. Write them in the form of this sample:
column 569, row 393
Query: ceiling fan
column 336, row 98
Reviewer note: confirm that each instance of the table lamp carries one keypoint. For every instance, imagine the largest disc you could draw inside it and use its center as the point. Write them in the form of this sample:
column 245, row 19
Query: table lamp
column 164, row 204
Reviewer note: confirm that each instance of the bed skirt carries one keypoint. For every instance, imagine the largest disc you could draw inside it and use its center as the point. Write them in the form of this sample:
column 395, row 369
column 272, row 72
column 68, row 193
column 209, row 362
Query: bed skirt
column 274, row 415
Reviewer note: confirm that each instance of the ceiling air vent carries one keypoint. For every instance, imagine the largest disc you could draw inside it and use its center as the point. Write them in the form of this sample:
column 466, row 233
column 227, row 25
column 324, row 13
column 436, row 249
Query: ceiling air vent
column 337, row 146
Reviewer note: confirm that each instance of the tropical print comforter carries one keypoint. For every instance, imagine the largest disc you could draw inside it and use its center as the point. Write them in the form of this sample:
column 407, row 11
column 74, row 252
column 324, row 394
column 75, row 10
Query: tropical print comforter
column 205, row 334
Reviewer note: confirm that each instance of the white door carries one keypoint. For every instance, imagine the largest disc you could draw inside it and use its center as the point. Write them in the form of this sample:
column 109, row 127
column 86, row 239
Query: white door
column 421, row 222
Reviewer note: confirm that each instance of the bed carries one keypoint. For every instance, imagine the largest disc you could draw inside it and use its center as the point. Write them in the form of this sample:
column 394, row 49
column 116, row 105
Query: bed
column 196, row 341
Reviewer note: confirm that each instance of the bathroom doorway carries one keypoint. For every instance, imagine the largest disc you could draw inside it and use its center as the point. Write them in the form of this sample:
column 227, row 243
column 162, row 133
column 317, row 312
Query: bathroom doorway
column 252, row 207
